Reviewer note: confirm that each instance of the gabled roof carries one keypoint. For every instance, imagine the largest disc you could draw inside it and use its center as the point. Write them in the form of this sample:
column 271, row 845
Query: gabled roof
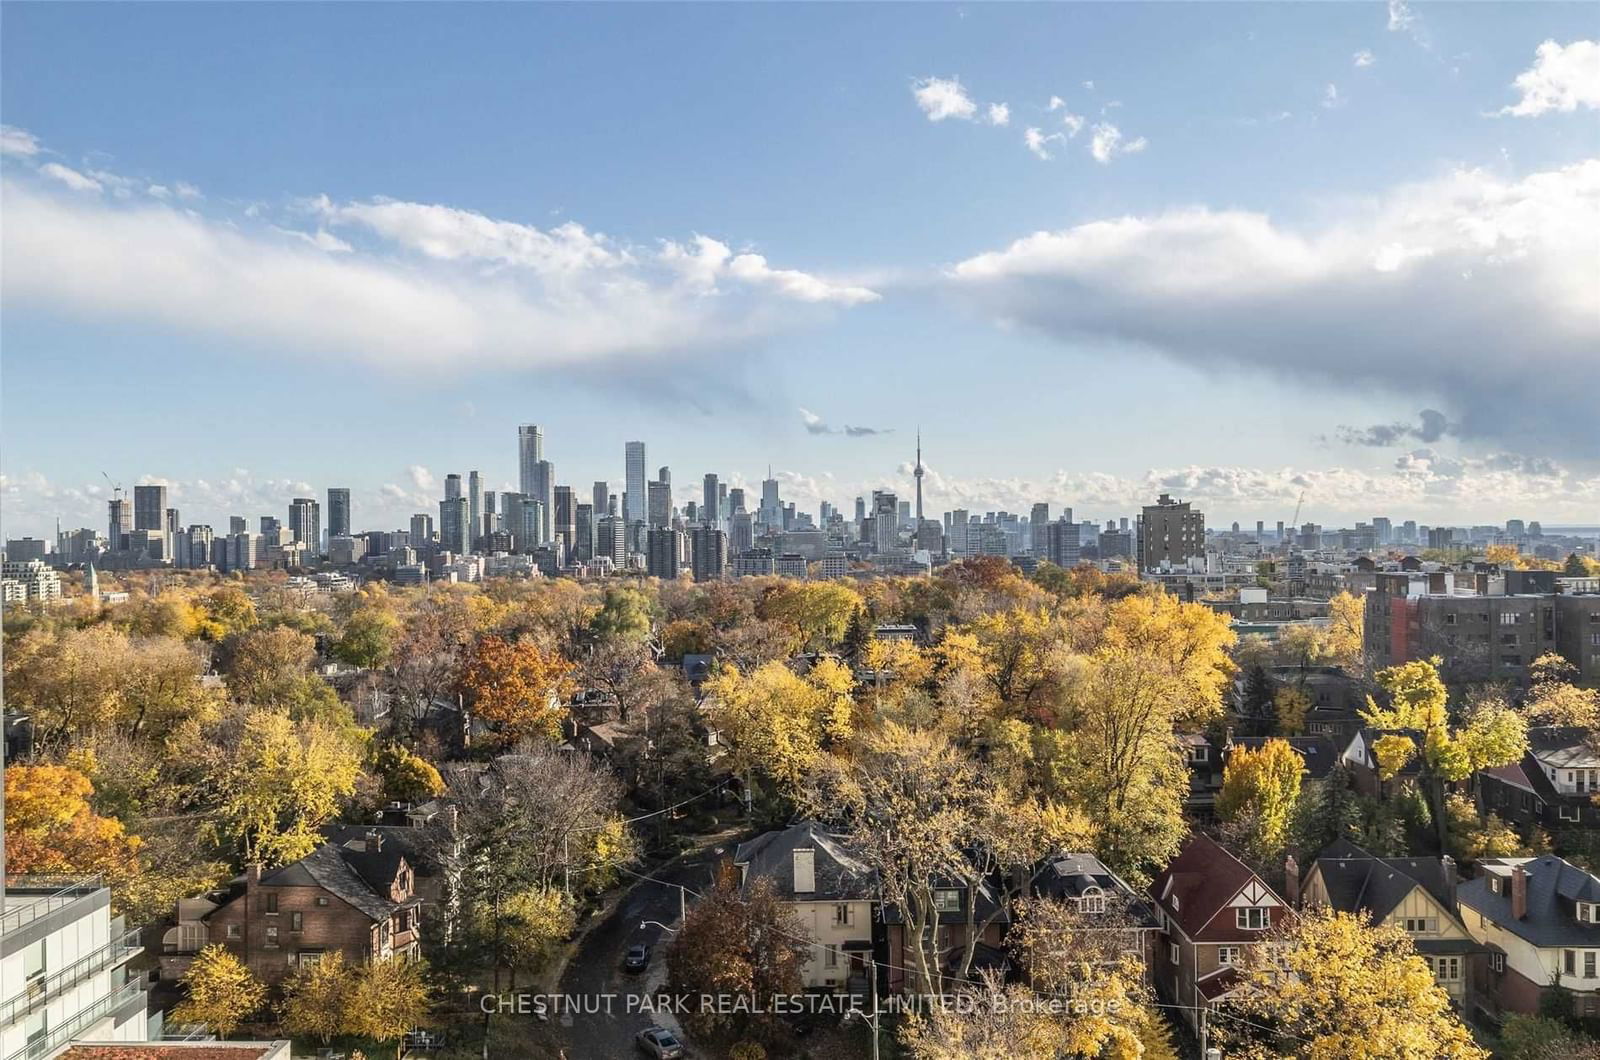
column 1071, row 876
column 1201, row 882
column 1368, row 737
column 1357, row 881
column 329, row 868
column 1318, row 752
column 839, row 874
column 1512, row 774
column 1555, row 886
column 1561, row 746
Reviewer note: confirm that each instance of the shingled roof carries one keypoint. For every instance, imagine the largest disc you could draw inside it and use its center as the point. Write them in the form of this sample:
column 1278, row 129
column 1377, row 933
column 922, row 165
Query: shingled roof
column 1358, row 881
column 329, row 867
column 1555, row 886
column 1200, row 883
column 840, row 875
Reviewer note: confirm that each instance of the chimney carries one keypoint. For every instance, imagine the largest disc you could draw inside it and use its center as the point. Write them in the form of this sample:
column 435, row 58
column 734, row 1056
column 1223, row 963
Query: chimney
column 1449, row 865
column 374, row 840
column 252, row 877
column 1519, row 892
column 805, row 871
column 1291, row 881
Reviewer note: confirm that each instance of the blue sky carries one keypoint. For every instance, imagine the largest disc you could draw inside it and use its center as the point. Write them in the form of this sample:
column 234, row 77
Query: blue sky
column 255, row 249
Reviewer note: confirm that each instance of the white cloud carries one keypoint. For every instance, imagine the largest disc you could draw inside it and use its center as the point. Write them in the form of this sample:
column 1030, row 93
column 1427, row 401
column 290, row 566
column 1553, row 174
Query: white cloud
column 942, row 98
column 815, row 424
column 70, row 177
column 1039, row 143
column 1330, row 97
column 1363, row 58
column 1432, row 274
column 427, row 284
column 1401, row 17
column 1107, row 143
column 18, row 142
column 1056, row 103
column 186, row 190
column 1073, row 122
column 999, row 114
column 1563, row 78
column 420, row 476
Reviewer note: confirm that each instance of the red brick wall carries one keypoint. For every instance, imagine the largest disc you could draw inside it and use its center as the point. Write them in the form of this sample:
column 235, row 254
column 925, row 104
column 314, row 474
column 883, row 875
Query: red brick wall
column 335, row 926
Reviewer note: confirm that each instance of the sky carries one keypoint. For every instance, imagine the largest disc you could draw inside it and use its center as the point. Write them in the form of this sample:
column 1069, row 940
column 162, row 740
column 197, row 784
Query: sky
column 1239, row 253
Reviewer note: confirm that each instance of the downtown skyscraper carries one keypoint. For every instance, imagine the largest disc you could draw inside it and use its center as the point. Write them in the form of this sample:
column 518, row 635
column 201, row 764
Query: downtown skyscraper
column 530, row 450
column 636, row 495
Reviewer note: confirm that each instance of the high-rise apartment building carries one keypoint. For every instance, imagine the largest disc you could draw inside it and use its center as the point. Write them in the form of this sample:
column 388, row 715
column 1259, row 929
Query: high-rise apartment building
column 452, row 486
column 530, row 450
column 1062, row 543
column 710, row 502
column 565, row 519
column 771, row 512
column 1169, row 532
column 305, row 524
column 602, row 499
column 583, row 526
column 741, row 533
column 119, row 523
column 474, row 506
column 611, row 540
column 453, row 522
column 149, row 507
column 660, row 506
column 421, row 530
column 663, row 548
column 636, row 493
column 338, row 511
column 708, row 549
column 1038, row 522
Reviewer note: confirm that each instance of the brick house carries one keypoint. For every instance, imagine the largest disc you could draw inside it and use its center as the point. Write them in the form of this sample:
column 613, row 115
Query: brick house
column 1211, row 906
column 1540, row 920
column 1553, row 786
column 357, row 898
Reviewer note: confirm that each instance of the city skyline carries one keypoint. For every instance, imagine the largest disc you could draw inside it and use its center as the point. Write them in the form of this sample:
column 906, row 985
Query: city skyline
column 1350, row 260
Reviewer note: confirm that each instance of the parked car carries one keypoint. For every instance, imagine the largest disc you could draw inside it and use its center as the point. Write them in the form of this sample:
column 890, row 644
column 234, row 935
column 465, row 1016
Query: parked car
column 637, row 958
column 660, row 1043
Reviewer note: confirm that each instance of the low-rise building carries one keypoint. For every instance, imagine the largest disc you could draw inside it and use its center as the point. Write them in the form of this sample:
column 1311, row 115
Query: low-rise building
column 1553, row 786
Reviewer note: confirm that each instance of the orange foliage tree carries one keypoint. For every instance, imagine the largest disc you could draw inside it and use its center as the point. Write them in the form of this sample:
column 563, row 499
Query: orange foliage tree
column 517, row 686
column 51, row 830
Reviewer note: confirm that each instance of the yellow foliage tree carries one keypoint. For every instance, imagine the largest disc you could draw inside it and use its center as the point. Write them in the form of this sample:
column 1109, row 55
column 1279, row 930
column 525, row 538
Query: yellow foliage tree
column 779, row 722
column 1291, row 704
column 316, row 998
column 390, row 998
column 1262, row 786
column 222, row 992
column 51, row 829
column 280, row 782
column 1329, row 986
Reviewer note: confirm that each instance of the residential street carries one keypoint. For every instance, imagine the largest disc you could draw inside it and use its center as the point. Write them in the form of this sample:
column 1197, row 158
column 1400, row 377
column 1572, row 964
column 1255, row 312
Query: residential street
column 596, row 969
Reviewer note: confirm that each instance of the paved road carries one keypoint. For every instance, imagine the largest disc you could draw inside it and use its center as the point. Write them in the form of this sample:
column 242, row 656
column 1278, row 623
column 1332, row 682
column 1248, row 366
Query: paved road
column 596, row 969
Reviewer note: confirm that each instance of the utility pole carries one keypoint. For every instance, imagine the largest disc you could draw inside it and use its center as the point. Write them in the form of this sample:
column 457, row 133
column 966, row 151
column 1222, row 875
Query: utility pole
column 873, row 970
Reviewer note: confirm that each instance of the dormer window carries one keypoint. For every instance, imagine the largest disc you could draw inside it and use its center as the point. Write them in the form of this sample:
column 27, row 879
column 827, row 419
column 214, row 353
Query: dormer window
column 947, row 901
column 1092, row 901
column 1253, row 918
column 1589, row 912
column 1199, row 753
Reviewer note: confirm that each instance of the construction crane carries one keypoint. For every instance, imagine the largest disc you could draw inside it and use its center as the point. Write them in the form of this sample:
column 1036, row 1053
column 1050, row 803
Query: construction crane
column 116, row 487
column 1297, row 505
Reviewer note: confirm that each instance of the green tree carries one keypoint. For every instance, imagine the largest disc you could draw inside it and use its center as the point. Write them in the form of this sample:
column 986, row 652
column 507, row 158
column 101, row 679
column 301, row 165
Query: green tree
column 624, row 615
column 369, row 637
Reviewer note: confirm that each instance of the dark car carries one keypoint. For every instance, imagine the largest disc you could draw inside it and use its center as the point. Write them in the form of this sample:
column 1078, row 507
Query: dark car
column 637, row 958
column 659, row 1043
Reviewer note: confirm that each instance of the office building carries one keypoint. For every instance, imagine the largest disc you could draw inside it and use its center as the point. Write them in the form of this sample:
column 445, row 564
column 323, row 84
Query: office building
column 338, row 511
column 421, row 530
column 21, row 550
column 491, row 521
column 453, row 522
column 636, row 494
column 611, row 540
column 119, row 523
column 741, row 532
column 544, row 494
column 602, row 499
column 710, row 505
column 753, row 563
column 1062, row 543
column 583, row 527
column 452, row 486
column 565, row 518
column 771, row 511
column 1038, row 521
column 530, row 450
column 305, row 523
column 1169, row 532
column 660, row 503
column 149, row 508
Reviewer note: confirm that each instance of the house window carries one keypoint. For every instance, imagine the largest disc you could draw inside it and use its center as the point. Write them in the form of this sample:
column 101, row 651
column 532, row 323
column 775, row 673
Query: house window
column 1588, row 964
column 306, row 957
column 272, row 938
column 830, row 957
column 269, row 903
column 1422, row 925
column 1172, row 951
column 947, row 901
column 1447, row 969
column 1253, row 918
column 1227, row 954
column 235, row 931
column 322, row 899
column 1497, row 962
column 1567, row 813
column 1569, row 961
column 1092, row 903
column 1509, row 618
column 841, row 914
column 296, row 921
column 1586, row 913
column 1199, row 753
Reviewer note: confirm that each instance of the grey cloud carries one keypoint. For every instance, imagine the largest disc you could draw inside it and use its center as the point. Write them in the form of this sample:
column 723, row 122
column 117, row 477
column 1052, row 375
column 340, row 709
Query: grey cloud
column 815, row 424
column 1432, row 426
